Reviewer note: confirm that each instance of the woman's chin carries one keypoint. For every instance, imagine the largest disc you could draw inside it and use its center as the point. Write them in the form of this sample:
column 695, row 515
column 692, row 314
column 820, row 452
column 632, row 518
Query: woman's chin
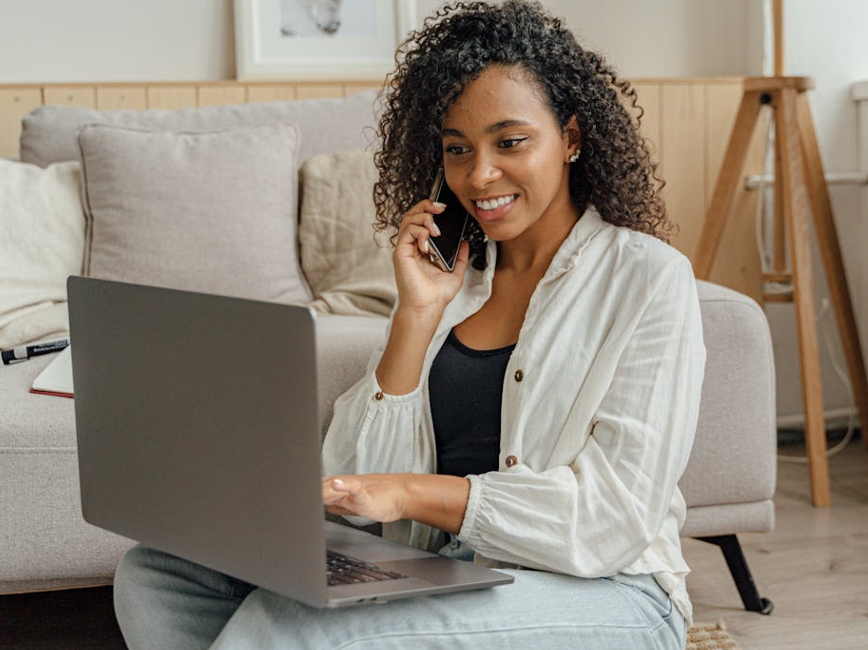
column 498, row 231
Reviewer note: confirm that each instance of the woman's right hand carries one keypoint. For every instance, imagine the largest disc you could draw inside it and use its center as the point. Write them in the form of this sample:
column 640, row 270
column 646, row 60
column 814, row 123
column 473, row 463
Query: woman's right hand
column 423, row 293
column 423, row 286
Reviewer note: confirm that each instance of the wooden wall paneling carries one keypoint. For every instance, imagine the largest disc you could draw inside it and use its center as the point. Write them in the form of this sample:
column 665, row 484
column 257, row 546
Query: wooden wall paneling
column 222, row 94
column 270, row 92
column 318, row 91
column 116, row 98
column 687, row 119
column 83, row 96
column 737, row 262
column 353, row 88
column 15, row 104
column 170, row 97
column 682, row 159
column 649, row 100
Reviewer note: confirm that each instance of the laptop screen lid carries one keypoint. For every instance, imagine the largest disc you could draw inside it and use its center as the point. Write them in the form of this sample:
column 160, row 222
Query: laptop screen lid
column 190, row 407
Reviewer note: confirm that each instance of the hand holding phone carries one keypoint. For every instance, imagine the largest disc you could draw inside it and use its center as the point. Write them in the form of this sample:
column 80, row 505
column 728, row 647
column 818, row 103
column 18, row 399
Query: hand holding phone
column 452, row 222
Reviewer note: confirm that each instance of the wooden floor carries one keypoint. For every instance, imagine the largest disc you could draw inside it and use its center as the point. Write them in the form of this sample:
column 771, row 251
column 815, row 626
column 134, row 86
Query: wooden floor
column 813, row 567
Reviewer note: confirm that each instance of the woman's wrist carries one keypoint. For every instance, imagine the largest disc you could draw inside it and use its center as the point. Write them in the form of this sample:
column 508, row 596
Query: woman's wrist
column 438, row 500
column 423, row 317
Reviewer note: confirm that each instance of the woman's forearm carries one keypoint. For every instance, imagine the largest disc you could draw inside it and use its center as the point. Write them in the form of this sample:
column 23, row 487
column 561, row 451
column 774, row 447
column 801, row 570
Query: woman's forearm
column 436, row 499
column 400, row 367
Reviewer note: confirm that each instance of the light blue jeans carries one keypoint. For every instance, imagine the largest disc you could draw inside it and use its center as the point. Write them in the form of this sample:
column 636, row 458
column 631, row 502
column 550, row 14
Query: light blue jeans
column 166, row 603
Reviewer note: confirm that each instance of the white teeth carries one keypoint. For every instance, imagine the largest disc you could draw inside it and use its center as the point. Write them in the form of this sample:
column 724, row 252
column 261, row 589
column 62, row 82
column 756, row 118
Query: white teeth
column 491, row 204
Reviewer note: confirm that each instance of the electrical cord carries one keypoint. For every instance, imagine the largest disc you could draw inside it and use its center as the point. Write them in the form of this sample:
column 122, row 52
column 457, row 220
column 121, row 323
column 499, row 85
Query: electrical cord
column 844, row 380
column 786, row 287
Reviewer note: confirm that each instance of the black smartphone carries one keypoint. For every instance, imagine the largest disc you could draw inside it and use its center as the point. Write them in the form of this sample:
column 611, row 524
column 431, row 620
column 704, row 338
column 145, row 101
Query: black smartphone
column 452, row 222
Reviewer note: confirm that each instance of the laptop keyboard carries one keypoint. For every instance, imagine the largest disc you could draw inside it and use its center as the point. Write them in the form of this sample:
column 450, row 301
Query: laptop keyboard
column 345, row 570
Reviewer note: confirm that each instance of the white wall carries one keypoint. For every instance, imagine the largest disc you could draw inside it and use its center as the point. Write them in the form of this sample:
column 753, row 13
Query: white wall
column 665, row 38
column 827, row 41
column 116, row 40
column 167, row 40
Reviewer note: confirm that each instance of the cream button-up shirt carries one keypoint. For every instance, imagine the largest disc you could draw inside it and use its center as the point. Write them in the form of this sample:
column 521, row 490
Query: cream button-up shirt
column 600, row 404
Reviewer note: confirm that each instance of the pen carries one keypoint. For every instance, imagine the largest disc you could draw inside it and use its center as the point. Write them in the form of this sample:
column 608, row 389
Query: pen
column 23, row 352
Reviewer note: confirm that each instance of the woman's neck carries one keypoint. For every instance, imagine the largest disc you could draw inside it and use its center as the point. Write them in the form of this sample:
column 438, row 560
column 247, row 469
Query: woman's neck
column 535, row 248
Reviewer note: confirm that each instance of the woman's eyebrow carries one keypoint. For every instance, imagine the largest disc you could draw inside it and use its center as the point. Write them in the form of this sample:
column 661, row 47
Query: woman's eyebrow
column 504, row 124
column 497, row 126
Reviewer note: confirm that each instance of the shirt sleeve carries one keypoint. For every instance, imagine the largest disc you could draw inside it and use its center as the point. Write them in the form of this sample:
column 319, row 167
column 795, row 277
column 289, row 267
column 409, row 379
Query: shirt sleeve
column 597, row 515
column 373, row 432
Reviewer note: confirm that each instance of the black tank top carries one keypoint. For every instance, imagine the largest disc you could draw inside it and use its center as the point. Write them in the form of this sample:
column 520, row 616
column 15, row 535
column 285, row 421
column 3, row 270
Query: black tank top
column 465, row 387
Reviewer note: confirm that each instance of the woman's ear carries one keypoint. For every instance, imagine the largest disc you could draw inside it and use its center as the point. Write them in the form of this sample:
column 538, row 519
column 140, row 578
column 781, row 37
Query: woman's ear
column 572, row 139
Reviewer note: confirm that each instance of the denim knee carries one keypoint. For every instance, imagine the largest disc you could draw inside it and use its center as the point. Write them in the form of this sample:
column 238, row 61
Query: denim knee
column 163, row 601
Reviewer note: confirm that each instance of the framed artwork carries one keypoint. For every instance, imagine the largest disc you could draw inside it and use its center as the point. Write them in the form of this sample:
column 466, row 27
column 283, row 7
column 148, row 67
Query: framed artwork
column 319, row 39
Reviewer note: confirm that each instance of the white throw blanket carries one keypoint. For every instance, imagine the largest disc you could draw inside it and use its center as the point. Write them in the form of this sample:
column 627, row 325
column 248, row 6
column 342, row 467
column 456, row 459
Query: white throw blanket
column 42, row 243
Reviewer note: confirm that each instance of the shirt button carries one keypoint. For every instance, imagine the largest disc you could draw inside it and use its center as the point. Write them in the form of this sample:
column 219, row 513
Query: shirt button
column 519, row 375
column 511, row 461
column 379, row 395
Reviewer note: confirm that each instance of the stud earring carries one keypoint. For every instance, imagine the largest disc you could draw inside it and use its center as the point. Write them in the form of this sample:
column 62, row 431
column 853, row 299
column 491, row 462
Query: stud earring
column 575, row 156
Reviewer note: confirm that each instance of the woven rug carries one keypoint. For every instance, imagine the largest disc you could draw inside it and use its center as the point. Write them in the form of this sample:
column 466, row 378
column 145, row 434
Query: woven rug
column 710, row 636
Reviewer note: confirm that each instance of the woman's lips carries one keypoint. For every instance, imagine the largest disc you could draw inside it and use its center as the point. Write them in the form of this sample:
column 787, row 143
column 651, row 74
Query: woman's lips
column 493, row 215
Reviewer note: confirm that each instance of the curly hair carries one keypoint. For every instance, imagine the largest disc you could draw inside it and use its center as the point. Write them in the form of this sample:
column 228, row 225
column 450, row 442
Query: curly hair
column 456, row 44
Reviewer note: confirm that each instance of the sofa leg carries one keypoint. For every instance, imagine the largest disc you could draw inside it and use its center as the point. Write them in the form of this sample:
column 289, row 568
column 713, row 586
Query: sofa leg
column 737, row 563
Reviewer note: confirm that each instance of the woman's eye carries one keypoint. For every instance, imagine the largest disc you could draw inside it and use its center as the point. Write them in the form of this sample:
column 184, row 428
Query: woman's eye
column 509, row 143
column 455, row 150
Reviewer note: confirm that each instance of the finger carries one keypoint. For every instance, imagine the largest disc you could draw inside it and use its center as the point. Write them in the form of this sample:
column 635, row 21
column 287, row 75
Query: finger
column 330, row 494
column 419, row 231
column 330, row 491
column 343, row 486
column 420, row 235
column 427, row 205
column 462, row 258
column 418, row 212
column 331, row 497
column 424, row 219
column 431, row 225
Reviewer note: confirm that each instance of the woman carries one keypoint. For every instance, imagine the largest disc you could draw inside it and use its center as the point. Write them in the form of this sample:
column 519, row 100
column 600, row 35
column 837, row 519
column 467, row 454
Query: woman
column 533, row 409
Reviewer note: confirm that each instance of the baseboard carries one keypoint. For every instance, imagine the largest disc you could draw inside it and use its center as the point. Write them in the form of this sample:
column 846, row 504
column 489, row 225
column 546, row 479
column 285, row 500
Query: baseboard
column 42, row 586
column 834, row 418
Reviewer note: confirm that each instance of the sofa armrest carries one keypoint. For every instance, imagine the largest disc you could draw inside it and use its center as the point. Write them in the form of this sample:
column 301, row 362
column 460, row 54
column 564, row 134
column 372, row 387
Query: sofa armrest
column 734, row 455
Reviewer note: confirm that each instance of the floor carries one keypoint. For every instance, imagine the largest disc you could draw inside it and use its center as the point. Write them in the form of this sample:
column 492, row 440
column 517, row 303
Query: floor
column 814, row 567
column 76, row 619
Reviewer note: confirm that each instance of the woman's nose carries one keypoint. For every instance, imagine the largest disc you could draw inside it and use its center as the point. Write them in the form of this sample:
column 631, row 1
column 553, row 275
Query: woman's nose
column 483, row 172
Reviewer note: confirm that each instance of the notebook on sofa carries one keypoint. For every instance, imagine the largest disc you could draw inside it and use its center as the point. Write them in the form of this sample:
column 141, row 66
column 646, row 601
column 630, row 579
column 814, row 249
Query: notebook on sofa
column 198, row 428
column 56, row 377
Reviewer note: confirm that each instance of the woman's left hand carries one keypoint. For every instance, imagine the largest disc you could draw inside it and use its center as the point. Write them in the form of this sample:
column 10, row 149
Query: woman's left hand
column 380, row 497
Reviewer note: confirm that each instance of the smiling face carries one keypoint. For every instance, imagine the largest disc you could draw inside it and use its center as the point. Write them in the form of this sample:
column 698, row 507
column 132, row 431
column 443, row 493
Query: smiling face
column 507, row 158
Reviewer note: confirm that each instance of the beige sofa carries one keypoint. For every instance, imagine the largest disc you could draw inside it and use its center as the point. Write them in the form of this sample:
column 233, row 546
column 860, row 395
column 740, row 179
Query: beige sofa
column 729, row 482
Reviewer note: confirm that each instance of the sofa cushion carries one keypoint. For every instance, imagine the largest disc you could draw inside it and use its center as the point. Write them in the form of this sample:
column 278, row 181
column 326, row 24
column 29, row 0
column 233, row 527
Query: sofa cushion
column 42, row 222
column 347, row 264
column 328, row 125
column 211, row 212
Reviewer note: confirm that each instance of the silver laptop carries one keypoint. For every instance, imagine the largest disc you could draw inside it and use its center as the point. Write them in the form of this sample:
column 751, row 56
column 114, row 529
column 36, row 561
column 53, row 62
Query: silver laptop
column 198, row 433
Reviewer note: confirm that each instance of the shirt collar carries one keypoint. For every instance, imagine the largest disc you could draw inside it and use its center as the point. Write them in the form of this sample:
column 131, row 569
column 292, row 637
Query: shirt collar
column 567, row 256
column 477, row 284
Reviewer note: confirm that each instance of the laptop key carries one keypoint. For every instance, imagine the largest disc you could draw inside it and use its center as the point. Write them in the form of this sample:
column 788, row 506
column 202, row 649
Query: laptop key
column 342, row 569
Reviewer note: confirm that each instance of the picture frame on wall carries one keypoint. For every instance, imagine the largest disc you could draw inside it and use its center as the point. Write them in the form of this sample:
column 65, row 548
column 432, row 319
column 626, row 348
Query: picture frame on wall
column 314, row 40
